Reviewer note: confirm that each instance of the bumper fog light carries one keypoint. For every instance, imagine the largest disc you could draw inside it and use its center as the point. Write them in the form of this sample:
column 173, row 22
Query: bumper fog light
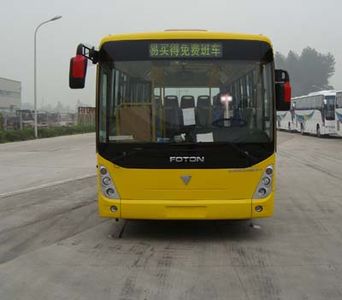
column 113, row 208
column 259, row 208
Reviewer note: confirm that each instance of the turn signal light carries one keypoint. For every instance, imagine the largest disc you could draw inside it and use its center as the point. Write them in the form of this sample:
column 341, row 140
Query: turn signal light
column 107, row 184
column 264, row 187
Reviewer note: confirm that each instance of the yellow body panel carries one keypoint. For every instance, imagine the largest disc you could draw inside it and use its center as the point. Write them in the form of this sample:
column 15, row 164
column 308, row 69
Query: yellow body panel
column 210, row 194
column 188, row 35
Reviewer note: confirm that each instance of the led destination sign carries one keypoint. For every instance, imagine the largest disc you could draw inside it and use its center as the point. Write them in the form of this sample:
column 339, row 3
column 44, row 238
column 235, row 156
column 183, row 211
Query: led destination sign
column 185, row 50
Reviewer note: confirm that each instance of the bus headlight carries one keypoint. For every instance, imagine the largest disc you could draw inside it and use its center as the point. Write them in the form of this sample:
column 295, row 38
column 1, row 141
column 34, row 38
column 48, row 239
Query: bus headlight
column 110, row 192
column 262, row 192
column 269, row 170
column 106, row 180
column 107, row 184
column 266, row 180
column 264, row 187
column 103, row 170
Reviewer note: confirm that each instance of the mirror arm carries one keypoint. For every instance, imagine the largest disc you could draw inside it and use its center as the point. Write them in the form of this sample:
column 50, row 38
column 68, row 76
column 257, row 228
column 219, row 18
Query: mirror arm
column 89, row 53
column 281, row 76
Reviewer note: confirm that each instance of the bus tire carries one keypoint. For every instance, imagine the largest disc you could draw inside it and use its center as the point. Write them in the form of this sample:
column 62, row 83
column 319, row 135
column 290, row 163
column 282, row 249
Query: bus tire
column 302, row 128
column 318, row 131
column 289, row 127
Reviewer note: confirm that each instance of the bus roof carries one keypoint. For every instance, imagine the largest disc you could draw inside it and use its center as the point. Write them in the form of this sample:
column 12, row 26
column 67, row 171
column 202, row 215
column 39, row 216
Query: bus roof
column 319, row 93
column 186, row 35
column 306, row 96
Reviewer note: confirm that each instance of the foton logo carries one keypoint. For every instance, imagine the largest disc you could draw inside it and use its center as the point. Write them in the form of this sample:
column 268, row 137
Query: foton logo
column 182, row 159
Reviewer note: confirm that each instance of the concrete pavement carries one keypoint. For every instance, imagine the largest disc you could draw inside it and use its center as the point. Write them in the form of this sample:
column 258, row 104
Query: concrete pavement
column 29, row 164
column 53, row 245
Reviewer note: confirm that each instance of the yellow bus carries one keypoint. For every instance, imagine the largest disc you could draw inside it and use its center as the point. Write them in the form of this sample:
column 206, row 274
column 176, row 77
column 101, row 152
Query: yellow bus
column 185, row 124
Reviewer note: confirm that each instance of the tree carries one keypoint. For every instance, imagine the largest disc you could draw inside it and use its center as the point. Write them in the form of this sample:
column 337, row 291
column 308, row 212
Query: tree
column 309, row 72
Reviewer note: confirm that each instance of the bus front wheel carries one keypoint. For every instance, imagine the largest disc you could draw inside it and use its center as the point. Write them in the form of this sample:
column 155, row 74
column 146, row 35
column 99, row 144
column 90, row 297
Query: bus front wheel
column 301, row 128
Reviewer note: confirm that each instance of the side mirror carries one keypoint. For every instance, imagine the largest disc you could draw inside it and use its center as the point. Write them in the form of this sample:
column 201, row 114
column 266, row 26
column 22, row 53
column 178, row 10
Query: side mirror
column 77, row 71
column 282, row 90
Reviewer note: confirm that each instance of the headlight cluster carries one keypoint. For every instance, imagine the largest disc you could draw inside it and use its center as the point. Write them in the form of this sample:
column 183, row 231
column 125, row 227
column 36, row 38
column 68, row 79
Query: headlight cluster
column 107, row 185
column 265, row 185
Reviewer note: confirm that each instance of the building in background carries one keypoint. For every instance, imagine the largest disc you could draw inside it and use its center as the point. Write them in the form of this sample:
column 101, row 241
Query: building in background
column 10, row 95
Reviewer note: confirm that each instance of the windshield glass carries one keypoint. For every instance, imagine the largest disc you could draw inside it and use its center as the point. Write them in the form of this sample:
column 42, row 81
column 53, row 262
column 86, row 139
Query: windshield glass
column 186, row 101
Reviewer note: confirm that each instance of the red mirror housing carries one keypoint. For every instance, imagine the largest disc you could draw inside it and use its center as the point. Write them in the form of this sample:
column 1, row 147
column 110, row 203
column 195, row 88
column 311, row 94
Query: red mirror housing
column 77, row 71
column 282, row 90
column 287, row 92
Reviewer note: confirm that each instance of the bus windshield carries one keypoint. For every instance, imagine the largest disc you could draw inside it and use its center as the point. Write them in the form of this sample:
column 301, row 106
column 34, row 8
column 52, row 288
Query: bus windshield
column 213, row 99
column 186, row 101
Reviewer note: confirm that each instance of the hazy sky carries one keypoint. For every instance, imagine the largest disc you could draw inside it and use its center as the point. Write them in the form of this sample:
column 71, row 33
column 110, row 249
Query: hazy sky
column 291, row 24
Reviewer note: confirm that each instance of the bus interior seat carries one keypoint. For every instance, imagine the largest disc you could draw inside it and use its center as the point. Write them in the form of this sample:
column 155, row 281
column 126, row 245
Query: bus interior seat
column 171, row 102
column 218, row 109
column 158, row 117
column 157, row 101
column 172, row 115
column 216, row 101
column 187, row 101
column 203, row 111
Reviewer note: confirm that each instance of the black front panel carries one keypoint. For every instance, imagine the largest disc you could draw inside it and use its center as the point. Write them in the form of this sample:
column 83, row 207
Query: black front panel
column 186, row 156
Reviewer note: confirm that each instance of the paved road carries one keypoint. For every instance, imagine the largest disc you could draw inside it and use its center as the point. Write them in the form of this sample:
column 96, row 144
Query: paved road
column 30, row 164
column 53, row 246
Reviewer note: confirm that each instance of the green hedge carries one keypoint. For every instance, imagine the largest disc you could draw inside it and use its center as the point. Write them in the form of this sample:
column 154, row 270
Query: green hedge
column 28, row 133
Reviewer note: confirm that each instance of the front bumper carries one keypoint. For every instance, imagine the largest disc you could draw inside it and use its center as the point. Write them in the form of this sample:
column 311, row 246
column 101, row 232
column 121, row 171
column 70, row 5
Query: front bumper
column 186, row 209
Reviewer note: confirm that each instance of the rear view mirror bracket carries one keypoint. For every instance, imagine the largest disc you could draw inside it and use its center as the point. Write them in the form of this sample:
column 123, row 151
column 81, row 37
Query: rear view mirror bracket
column 90, row 53
column 281, row 76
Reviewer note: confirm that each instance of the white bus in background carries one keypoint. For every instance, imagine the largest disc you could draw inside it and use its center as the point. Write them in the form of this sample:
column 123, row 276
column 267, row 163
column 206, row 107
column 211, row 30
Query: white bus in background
column 315, row 113
column 286, row 120
column 338, row 113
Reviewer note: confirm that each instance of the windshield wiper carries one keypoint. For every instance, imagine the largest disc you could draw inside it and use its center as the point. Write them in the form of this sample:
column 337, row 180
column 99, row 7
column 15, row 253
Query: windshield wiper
column 128, row 153
column 245, row 153
column 252, row 159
